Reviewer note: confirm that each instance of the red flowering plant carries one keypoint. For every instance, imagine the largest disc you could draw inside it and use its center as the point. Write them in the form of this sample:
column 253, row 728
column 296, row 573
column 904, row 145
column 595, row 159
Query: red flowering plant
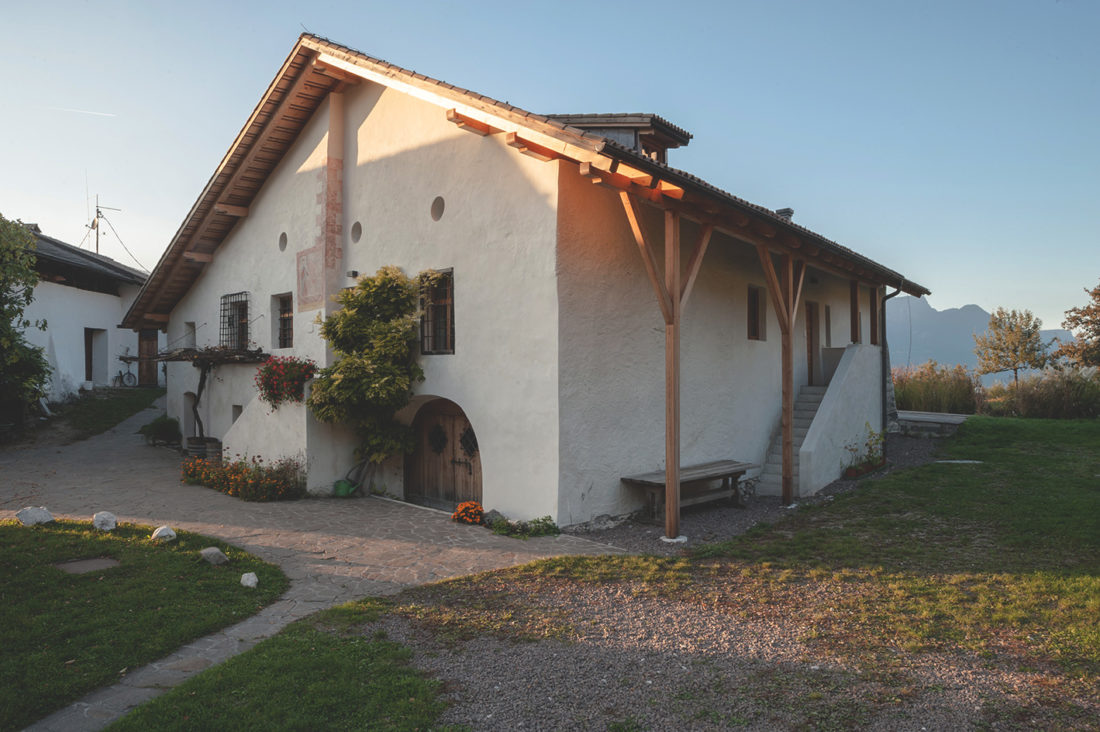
column 283, row 379
column 469, row 512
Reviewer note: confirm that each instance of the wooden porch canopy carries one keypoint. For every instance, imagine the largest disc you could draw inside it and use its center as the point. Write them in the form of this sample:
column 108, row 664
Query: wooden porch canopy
column 317, row 67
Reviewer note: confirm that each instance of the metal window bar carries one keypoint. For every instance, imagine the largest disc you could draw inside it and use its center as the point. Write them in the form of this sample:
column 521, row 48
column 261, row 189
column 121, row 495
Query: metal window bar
column 437, row 325
column 234, row 321
column 286, row 322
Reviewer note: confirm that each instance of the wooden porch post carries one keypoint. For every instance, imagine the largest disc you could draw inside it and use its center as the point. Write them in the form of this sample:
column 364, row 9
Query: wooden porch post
column 873, row 304
column 672, row 376
column 672, row 293
column 853, row 298
column 786, row 293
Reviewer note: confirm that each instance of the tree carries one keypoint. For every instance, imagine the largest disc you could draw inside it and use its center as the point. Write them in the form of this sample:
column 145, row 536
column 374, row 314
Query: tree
column 374, row 334
column 1085, row 324
column 1012, row 343
column 23, row 367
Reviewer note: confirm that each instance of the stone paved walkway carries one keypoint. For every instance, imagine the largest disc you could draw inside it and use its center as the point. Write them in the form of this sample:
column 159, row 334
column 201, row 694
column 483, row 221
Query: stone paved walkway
column 332, row 550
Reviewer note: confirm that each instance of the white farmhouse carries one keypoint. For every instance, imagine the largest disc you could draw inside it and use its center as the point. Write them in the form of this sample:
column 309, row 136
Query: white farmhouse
column 604, row 314
column 82, row 296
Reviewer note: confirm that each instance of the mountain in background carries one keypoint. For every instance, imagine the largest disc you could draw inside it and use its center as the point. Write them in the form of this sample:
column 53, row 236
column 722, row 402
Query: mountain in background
column 917, row 332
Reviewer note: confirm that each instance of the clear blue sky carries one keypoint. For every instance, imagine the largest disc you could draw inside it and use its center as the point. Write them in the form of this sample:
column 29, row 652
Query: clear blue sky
column 954, row 141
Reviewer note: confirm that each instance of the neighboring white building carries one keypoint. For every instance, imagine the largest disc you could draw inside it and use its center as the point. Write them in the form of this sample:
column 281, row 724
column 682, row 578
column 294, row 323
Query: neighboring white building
column 82, row 297
column 559, row 339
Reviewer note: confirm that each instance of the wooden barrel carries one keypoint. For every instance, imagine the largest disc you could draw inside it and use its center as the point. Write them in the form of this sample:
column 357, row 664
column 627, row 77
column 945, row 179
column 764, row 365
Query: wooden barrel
column 195, row 447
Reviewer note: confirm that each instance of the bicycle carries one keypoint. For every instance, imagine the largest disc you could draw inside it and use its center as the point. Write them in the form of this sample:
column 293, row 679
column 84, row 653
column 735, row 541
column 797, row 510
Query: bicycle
column 128, row 378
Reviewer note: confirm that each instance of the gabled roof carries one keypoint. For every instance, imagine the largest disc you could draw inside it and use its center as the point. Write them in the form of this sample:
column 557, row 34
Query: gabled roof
column 57, row 252
column 317, row 66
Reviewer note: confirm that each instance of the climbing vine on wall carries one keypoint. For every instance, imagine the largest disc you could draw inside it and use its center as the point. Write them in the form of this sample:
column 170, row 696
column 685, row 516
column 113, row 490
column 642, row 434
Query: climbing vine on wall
column 374, row 334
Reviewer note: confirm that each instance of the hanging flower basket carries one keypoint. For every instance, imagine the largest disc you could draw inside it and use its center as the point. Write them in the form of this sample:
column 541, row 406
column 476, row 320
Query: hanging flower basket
column 283, row 379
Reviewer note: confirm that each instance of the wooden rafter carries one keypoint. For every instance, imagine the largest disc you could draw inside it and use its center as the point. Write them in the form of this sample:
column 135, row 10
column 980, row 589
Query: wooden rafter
column 242, row 170
column 527, row 147
column 465, row 122
column 229, row 209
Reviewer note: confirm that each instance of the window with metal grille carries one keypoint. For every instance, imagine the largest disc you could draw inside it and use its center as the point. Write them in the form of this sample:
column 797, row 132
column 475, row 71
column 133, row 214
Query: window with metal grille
column 437, row 321
column 757, row 312
column 234, row 321
column 282, row 310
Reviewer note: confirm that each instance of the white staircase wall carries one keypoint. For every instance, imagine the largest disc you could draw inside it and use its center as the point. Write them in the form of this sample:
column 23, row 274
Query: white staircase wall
column 853, row 400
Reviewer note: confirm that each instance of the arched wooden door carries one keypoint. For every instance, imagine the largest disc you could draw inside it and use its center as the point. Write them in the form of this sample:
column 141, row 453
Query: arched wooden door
column 444, row 469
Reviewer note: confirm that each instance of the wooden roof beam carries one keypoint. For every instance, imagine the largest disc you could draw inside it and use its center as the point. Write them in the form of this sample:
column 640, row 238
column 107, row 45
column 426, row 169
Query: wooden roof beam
column 340, row 75
column 530, row 148
column 192, row 256
column 230, row 210
column 469, row 123
column 618, row 182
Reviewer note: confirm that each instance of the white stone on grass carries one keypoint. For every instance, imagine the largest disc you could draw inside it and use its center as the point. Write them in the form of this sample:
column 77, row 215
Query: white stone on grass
column 163, row 533
column 30, row 516
column 105, row 521
column 214, row 555
column 249, row 579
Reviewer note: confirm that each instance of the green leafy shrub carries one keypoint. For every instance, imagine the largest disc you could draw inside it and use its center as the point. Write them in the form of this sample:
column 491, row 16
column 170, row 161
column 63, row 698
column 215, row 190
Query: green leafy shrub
column 543, row 526
column 931, row 387
column 1056, row 393
column 249, row 480
column 24, row 370
column 162, row 430
column 375, row 336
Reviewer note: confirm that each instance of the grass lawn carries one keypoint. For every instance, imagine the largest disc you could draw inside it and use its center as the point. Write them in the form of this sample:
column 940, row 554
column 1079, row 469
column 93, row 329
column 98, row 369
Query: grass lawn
column 994, row 567
column 316, row 674
column 64, row 635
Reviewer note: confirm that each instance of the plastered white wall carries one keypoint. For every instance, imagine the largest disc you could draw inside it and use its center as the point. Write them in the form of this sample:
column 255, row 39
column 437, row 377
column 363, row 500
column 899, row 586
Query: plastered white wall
column 67, row 312
column 612, row 355
column 852, row 402
column 250, row 260
column 611, row 358
column 497, row 233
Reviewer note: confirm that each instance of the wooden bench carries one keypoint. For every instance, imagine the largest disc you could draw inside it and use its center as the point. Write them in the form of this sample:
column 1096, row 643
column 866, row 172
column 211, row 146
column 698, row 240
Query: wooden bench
column 692, row 490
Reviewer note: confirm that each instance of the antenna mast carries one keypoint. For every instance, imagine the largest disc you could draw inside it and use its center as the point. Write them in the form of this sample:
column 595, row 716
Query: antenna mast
column 98, row 215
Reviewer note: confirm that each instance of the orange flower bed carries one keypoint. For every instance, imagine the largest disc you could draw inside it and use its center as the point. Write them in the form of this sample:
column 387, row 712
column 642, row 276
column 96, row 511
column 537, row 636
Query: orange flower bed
column 469, row 512
column 249, row 480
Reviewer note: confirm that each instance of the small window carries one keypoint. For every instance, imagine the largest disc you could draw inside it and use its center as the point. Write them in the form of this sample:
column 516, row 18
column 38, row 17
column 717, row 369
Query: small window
column 437, row 320
column 757, row 313
column 238, row 410
column 282, row 314
column 189, row 335
column 234, row 321
column 828, row 327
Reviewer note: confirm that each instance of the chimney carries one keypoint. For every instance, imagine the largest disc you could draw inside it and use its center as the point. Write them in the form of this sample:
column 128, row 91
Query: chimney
column 785, row 213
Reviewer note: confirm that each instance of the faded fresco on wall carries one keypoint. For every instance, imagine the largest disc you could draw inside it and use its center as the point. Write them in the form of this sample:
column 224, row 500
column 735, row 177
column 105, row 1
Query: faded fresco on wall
column 311, row 289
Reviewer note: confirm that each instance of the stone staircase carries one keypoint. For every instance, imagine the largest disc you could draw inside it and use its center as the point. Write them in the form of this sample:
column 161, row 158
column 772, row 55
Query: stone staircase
column 805, row 407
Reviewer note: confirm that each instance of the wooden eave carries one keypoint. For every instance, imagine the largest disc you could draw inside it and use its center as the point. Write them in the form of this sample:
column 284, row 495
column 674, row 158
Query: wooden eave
column 740, row 219
column 288, row 104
